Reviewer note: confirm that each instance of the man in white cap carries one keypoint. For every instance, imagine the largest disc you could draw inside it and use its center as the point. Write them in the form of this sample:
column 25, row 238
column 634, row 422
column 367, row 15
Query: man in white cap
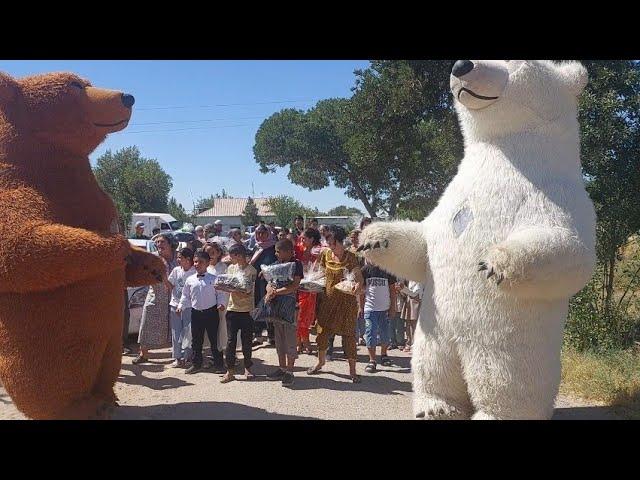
column 199, row 231
column 217, row 228
column 139, row 235
column 217, row 234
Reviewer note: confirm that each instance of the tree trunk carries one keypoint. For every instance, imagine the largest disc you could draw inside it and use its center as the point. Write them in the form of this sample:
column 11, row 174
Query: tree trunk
column 609, row 277
column 394, row 200
column 362, row 196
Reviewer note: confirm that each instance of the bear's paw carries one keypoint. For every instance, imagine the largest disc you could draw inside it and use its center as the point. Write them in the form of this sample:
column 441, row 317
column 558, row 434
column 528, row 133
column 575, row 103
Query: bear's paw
column 144, row 268
column 498, row 265
column 435, row 409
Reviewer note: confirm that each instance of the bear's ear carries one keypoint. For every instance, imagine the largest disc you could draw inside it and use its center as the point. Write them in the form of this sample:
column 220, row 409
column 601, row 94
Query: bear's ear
column 8, row 88
column 574, row 75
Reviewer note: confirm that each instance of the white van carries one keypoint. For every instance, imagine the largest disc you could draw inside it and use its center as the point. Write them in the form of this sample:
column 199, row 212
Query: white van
column 163, row 221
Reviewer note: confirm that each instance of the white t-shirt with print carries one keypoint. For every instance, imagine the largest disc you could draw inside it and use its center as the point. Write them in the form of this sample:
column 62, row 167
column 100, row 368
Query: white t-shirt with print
column 177, row 277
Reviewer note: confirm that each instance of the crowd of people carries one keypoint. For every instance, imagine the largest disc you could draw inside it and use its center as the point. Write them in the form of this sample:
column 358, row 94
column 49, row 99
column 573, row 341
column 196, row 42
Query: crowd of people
column 378, row 310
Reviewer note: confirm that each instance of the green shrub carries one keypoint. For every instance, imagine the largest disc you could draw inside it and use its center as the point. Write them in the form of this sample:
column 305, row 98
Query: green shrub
column 589, row 328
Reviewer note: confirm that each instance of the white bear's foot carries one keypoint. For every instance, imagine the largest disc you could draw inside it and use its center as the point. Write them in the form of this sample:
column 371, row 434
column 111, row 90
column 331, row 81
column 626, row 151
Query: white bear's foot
column 430, row 408
column 480, row 415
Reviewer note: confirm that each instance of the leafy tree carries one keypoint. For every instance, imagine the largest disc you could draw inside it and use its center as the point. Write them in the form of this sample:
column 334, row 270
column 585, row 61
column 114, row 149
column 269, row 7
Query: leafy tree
column 603, row 315
column 396, row 139
column 250, row 213
column 204, row 203
column 287, row 208
column 135, row 183
column 343, row 211
column 177, row 211
column 610, row 153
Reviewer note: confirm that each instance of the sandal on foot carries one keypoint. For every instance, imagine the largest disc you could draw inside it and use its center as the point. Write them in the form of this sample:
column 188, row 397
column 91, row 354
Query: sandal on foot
column 385, row 361
column 370, row 368
column 314, row 371
column 227, row 379
column 356, row 379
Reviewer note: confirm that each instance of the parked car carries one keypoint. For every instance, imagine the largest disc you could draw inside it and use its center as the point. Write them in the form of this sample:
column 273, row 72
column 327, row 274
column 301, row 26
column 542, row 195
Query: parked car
column 137, row 295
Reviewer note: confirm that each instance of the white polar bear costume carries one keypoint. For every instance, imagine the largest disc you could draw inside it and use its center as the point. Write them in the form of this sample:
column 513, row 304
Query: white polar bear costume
column 510, row 241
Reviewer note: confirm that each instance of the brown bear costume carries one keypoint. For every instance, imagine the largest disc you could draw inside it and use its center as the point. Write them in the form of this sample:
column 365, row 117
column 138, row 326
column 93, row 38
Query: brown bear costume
column 63, row 264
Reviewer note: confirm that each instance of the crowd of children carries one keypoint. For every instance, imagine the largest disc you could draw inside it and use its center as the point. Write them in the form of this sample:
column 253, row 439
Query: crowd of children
column 226, row 289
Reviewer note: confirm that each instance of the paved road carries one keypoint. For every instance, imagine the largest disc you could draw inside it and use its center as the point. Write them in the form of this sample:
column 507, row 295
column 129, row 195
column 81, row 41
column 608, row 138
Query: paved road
column 154, row 391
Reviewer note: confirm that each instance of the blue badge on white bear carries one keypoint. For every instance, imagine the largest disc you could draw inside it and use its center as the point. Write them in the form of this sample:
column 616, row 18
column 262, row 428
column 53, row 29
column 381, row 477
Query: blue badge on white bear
column 462, row 220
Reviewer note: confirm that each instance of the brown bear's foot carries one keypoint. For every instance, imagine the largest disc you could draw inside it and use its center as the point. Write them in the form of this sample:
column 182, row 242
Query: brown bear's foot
column 89, row 408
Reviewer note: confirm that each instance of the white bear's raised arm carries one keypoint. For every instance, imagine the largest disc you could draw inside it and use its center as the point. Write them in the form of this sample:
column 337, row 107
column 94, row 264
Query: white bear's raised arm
column 398, row 247
column 541, row 262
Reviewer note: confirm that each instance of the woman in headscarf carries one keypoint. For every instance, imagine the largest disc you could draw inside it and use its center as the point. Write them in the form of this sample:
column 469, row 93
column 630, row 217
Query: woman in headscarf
column 338, row 311
column 154, row 324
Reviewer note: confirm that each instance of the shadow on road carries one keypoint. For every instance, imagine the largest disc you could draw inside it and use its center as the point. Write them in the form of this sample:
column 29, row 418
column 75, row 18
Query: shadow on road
column 585, row 413
column 200, row 411
column 137, row 378
column 370, row 383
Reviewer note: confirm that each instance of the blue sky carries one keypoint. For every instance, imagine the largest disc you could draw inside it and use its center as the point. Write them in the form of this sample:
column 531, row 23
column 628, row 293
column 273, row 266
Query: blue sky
column 209, row 134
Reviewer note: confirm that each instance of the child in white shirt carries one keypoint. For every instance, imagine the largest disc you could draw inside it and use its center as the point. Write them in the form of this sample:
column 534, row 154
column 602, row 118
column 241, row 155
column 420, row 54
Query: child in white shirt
column 180, row 322
column 206, row 304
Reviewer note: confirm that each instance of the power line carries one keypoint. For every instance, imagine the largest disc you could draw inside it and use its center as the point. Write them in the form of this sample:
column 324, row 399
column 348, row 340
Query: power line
column 191, row 128
column 224, row 105
column 196, row 121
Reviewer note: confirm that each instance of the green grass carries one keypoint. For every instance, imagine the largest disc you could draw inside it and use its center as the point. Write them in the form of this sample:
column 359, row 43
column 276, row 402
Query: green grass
column 612, row 378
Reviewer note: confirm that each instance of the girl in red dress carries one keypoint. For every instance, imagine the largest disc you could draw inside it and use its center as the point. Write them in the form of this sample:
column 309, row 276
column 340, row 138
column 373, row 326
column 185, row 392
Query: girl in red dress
column 308, row 250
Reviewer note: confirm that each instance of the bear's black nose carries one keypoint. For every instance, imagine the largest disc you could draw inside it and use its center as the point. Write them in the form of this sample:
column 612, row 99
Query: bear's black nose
column 128, row 100
column 461, row 67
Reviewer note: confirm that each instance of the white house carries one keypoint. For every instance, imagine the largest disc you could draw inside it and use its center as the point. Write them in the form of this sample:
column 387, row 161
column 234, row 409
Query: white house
column 229, row 210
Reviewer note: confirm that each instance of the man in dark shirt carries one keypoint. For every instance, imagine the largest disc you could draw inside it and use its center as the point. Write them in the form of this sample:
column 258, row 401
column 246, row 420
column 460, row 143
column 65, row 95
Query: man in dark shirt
column 264, row 254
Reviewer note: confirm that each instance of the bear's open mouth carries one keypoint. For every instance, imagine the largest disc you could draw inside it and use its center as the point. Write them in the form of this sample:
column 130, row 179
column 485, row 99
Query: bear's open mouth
column 110, row 124
column 473, row 94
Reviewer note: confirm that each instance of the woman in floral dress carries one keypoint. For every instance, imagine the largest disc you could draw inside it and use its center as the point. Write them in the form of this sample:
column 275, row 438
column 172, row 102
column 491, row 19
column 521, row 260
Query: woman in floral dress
column 154, row 325
column 338, row 311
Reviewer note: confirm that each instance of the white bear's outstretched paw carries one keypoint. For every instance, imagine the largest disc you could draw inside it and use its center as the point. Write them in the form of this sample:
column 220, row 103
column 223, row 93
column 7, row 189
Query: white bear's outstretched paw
column 491, row 271
column 398, row 247
column 435, row 409
column 498, row 264
column 373, row 243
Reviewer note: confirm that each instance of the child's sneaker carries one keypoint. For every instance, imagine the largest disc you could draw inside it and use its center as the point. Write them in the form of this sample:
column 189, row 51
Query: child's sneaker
column 385, row 361
column 192, row 369
column 370, row 368
column 176, row 364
